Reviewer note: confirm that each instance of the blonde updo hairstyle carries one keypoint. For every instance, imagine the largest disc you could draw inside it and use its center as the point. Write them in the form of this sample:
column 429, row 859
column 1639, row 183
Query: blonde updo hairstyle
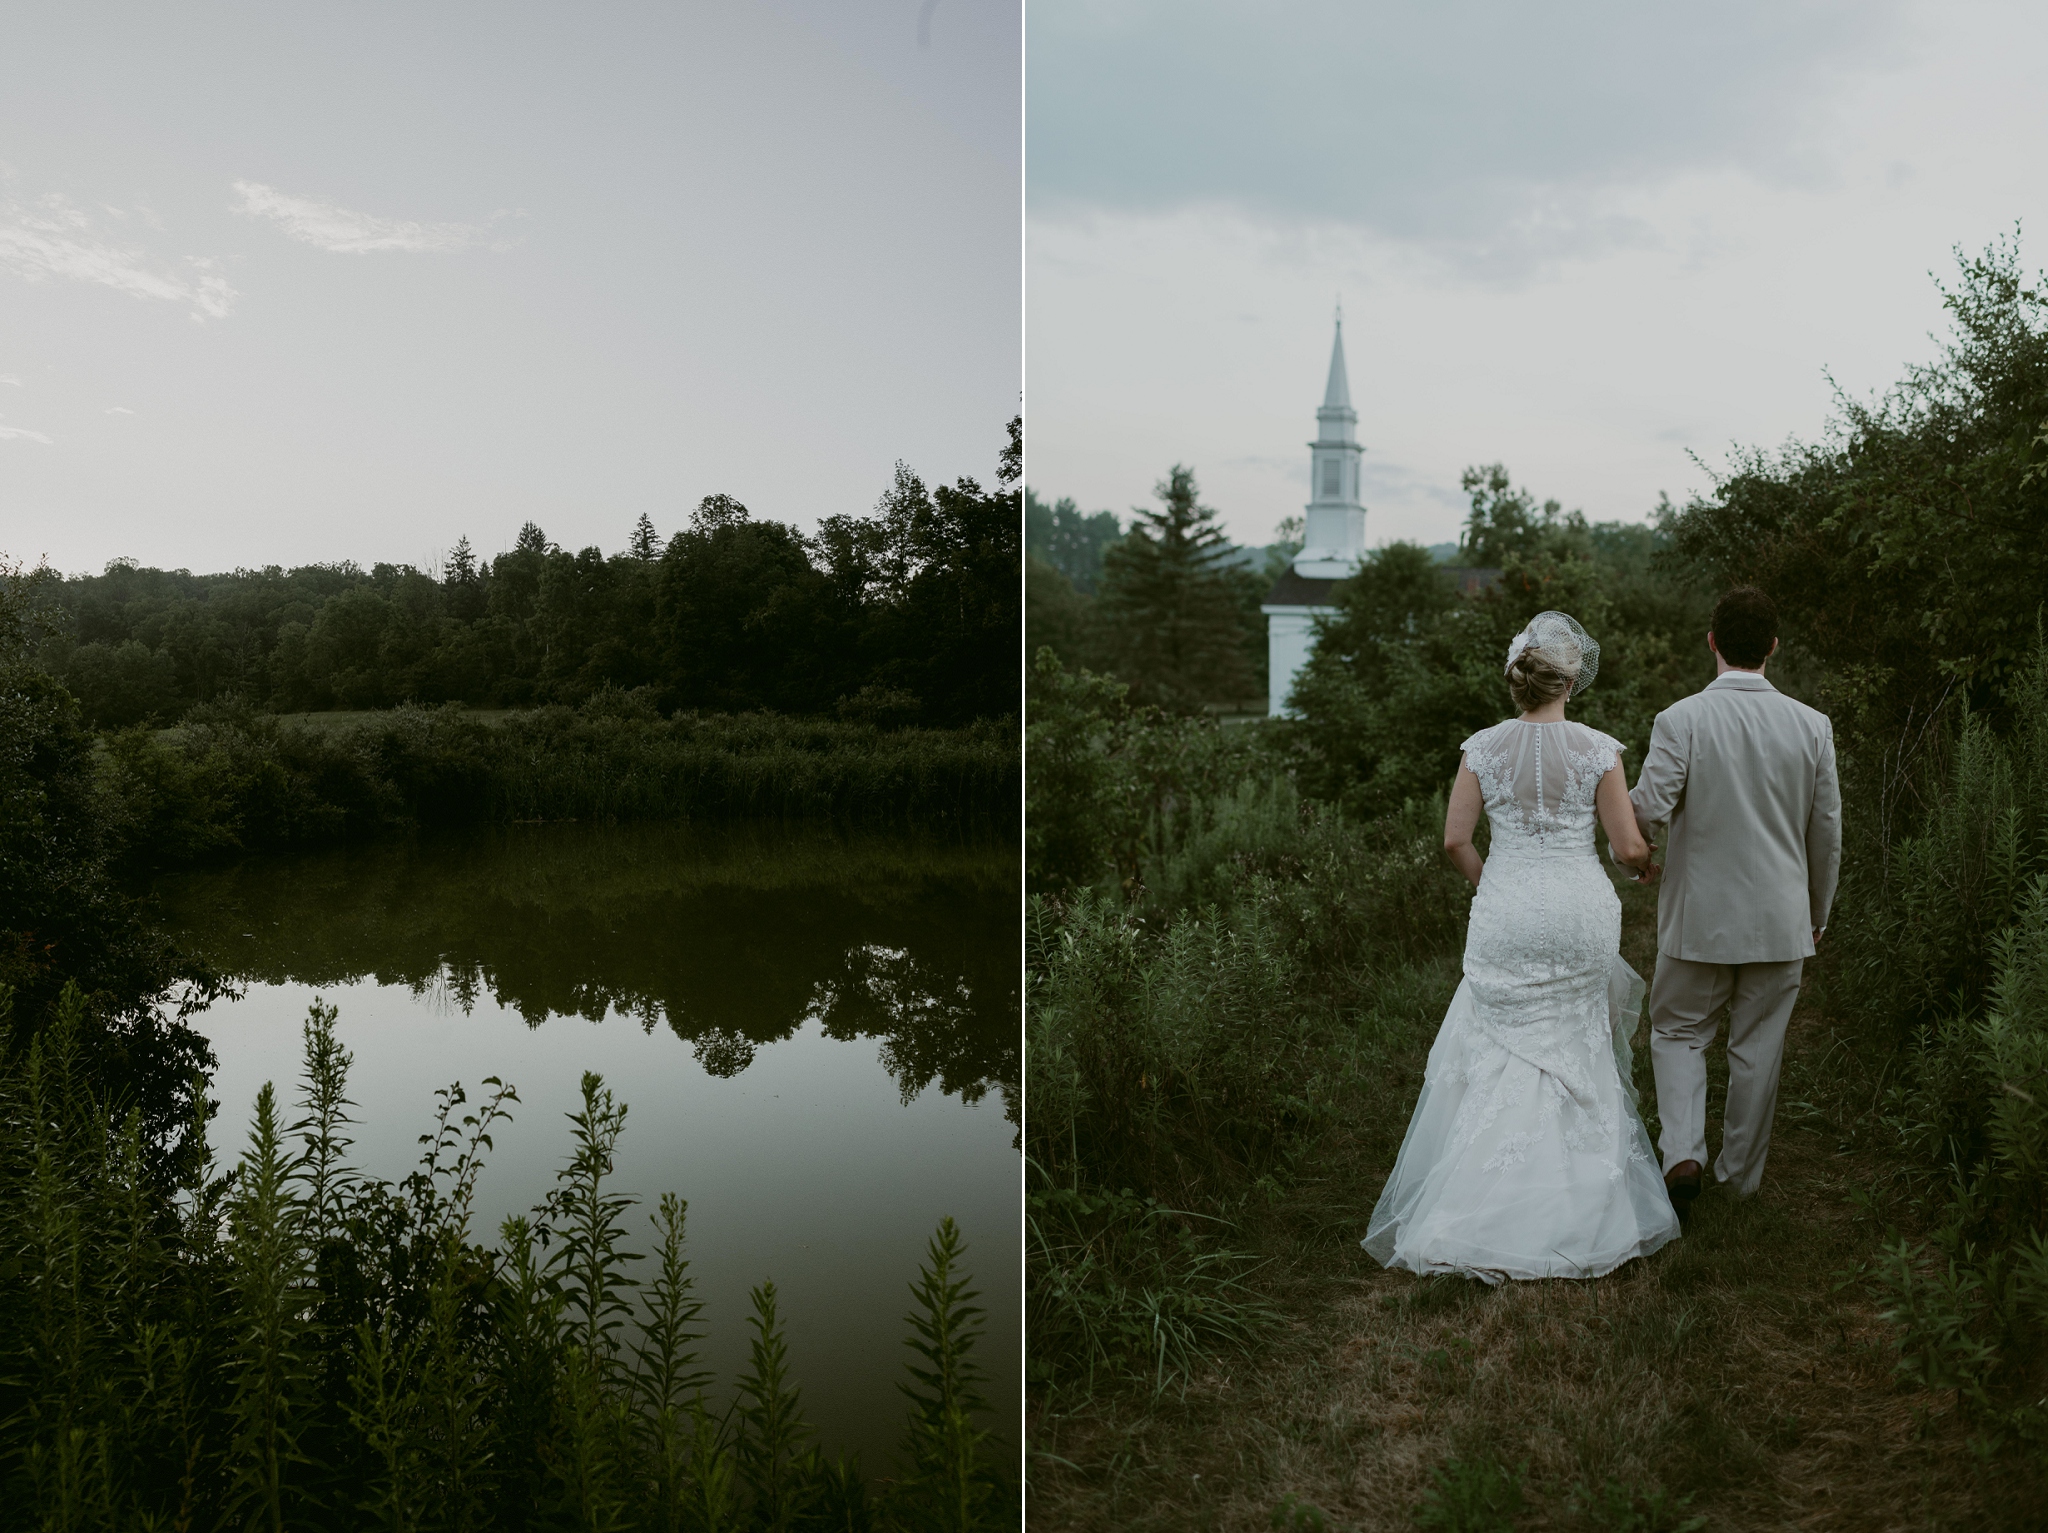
column 1540, row 676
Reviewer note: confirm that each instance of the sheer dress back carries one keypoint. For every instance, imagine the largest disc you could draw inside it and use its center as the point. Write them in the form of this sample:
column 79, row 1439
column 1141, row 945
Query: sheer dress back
column 1526, row 1155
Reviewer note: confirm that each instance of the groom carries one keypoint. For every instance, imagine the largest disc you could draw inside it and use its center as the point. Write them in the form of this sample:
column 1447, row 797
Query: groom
column 1745, row 779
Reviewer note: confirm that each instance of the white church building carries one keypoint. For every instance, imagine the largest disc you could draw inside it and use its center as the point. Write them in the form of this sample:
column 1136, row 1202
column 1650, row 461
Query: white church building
column 1333, row 536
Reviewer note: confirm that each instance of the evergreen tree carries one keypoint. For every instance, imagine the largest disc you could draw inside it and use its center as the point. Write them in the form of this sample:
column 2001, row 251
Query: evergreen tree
column 461, row 566
column 531, row 540
column 645, row 542
column 1170, row 605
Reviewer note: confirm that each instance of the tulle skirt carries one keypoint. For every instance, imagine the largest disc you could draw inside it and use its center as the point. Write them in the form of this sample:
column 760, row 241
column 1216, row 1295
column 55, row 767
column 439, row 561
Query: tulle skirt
column 1526, row 1156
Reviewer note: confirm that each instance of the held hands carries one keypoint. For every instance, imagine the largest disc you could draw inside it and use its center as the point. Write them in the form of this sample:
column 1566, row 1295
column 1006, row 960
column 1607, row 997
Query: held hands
column 1646, row 874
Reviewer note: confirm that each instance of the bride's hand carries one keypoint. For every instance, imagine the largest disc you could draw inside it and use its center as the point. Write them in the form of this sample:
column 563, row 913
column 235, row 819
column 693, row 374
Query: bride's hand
column 1647, row 874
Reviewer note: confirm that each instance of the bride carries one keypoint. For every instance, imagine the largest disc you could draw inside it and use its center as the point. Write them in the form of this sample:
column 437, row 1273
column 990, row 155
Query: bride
column 1526, row 1157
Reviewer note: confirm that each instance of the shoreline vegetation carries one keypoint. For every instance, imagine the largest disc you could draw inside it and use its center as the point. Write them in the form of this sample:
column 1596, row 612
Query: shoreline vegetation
column 1241, row 943
column 229, row 780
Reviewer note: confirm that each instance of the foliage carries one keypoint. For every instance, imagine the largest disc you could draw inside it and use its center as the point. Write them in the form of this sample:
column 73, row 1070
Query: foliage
column 733, row 614
column 1191, row 1012
column 295, row 1345
column 1909, row 549
column 63, row 921
column 1171, row 605
column 1619, row 1508
column 1904, row 554
column 1069, row 540
column 1471, row 1496
column 1408, row 667
column 232, row 780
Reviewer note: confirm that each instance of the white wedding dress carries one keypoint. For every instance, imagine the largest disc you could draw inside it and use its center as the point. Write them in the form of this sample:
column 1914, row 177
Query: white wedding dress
column 1526, row 1157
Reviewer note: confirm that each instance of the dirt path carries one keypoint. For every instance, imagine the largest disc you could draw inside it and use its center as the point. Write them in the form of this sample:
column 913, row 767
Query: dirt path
column 1743, row 1368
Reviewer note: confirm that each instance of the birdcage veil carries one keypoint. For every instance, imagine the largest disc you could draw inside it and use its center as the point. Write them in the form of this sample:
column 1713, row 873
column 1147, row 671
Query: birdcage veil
column 1558, row 637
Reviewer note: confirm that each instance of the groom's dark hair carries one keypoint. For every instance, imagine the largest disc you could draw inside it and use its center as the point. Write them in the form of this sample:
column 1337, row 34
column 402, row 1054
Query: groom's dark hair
column 1745, row 626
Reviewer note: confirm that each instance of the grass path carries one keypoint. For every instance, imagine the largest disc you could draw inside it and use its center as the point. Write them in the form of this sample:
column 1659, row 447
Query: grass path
column 1744, row 1368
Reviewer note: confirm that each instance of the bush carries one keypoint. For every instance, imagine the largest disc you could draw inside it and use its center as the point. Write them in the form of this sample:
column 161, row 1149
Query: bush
column 1193, row 1015
column 1944, row 953
column 233, row 780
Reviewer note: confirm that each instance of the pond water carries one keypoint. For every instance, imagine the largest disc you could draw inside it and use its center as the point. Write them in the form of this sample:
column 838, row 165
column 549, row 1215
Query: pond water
column 816, row 1036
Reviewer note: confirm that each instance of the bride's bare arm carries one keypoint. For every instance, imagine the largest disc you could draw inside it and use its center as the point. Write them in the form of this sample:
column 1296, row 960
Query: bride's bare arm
column 1460, row 821
column 1619, row 816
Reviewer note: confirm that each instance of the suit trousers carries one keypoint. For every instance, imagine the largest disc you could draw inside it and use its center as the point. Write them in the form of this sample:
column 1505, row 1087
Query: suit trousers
column 1685, row 1002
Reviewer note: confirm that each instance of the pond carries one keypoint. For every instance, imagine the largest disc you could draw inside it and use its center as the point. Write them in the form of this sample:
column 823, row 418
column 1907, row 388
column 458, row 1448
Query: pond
column 816, row 1035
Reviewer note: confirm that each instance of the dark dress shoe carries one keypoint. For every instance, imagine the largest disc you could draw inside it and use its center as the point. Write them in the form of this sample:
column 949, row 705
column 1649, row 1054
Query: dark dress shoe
column 1682, row 1182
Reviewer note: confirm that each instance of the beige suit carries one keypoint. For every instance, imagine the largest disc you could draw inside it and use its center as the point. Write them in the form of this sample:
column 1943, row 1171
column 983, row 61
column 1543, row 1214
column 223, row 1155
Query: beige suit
column 1745, row 779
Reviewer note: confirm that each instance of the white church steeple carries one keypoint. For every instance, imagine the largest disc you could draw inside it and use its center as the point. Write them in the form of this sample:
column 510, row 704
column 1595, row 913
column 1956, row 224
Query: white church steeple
column 1333, row 532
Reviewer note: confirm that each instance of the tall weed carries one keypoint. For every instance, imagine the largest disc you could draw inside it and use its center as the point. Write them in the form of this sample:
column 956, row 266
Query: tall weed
column 295, row 1345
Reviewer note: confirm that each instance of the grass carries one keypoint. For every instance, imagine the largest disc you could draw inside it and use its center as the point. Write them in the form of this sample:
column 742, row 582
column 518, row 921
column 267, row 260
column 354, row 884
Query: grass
column 333, row 720
column 1743, row 1375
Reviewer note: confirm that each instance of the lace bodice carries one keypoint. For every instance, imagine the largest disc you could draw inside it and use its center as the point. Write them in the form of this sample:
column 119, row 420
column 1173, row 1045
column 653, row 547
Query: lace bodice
column 1526, row 1156
column 1538, row 782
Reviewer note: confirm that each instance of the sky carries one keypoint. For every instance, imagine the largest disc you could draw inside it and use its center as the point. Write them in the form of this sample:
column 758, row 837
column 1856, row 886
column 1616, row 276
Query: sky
column 1606, row 243
column 306, row 283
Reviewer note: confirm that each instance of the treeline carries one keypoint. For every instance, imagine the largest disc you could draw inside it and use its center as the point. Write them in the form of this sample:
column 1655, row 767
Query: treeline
column 1241, row 939
column 907, row 615
column 1170, row 606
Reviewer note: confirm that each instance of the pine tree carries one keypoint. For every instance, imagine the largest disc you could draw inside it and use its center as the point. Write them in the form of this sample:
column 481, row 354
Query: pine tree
column 1173, row 616
column 531, row 540
column 645, row 542
column 460, row 569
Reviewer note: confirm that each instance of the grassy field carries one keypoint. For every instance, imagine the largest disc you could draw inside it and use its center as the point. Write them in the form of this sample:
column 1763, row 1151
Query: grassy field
column 337, row 719
column 1741, row 1378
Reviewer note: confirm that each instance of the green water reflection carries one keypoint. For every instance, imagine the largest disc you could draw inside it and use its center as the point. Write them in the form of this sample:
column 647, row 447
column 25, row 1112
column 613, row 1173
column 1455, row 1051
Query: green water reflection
column 817, row 1036
column 728, row 937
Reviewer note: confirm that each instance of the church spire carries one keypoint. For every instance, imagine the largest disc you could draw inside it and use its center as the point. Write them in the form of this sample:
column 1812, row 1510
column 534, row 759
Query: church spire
column 1337, row 396
column 1333, row 523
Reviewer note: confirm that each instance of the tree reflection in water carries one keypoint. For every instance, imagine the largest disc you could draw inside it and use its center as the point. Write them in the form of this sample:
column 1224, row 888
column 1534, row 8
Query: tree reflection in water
column 731, row 937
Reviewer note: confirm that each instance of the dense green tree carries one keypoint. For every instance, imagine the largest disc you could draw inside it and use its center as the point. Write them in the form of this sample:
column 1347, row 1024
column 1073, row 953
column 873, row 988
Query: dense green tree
column 1505, row 523
column 62, row 920
column 734, row 610
column 1409, row 665
column 1171, row 607
column 1069, row 540
column 1908, row 551
column 1060, row 618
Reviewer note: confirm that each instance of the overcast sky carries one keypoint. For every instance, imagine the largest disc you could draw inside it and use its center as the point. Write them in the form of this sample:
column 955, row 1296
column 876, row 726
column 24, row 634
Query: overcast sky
column 1586, row 239
column 287, row 283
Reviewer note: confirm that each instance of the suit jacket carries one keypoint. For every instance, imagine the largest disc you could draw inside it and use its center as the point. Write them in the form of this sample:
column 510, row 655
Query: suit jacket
column 1745, row 778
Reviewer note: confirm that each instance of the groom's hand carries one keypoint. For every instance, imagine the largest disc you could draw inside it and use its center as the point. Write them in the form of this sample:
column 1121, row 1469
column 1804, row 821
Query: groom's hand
column 1649, row 874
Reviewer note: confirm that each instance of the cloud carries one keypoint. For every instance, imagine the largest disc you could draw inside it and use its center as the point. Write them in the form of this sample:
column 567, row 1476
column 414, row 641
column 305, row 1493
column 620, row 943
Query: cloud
column 120, row 410
column 1494, row 132
column 22, row 434
column 55, row 239
column 10, row 380
column 327, row 227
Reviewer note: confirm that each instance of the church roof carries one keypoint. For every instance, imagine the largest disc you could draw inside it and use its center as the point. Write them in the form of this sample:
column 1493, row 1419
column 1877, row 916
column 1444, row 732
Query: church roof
column 1338, row 395
column 1292, row 590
